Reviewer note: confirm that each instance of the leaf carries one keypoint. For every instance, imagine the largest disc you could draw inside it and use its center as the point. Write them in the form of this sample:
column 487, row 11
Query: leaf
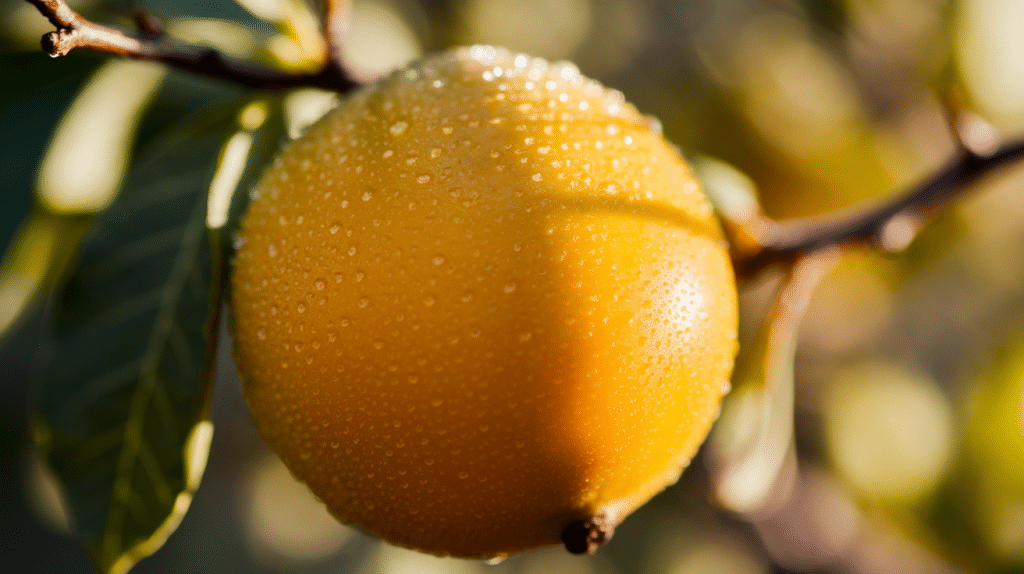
column 753, row 438
column 123, row 399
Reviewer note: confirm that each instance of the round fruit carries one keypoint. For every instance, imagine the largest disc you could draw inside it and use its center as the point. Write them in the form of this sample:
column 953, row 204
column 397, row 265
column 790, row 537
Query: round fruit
column 483, row 306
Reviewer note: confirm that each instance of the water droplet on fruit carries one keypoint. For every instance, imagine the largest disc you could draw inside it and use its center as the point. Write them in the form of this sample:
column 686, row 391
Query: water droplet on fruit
column 398, row 127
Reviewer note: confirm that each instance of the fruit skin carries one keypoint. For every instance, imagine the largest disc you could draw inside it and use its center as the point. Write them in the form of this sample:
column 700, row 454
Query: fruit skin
column 469, row 310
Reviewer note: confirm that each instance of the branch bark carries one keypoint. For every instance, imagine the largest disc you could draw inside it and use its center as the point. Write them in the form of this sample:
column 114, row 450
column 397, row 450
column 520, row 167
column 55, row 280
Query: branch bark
column 74, row 31
column 890, row 226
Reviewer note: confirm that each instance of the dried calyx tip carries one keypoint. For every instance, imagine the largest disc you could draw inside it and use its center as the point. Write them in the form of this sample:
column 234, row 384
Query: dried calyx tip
column 586, row 536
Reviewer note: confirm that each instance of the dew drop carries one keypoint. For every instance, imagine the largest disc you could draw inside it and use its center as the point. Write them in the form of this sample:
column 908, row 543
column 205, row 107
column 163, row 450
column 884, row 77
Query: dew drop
column 423, row 179
column 364, row 303
column 434, row 153
column 261, row 334
column 320, row 284
column 398, row 128
column 438, row 259
column 335, row 229
column 509, row 288
column 301, row 308
column 367, row 196
column 536, row 177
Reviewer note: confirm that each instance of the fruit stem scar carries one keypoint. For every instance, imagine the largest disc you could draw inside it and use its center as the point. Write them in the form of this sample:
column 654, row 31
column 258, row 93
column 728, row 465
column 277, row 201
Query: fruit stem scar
column 587, row 535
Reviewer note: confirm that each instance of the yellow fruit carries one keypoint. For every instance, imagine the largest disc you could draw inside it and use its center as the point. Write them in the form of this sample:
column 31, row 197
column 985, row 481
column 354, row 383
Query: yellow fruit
column 483, row 306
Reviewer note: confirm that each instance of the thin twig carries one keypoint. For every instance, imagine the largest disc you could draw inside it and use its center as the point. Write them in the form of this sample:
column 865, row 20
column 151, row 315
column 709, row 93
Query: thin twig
column 890, row 226
column 74, row 31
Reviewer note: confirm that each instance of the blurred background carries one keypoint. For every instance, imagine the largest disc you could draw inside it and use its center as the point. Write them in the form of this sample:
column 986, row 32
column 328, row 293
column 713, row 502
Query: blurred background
column 909, row 375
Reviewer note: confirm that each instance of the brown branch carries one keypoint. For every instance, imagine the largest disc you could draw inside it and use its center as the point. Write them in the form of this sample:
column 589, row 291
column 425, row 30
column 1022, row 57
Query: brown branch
column 889, row 226
column 74, row 31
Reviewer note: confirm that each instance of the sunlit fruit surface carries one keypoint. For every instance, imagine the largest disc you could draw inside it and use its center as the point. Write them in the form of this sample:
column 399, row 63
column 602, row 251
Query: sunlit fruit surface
column 479, row 301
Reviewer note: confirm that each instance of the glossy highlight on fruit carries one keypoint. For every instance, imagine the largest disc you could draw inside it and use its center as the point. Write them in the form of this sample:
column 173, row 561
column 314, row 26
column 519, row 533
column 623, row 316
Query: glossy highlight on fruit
column 483, row 307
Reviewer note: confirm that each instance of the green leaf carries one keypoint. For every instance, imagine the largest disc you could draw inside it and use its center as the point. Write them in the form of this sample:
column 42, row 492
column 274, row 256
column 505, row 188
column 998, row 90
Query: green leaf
column 753, row 438
column 123, row 398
